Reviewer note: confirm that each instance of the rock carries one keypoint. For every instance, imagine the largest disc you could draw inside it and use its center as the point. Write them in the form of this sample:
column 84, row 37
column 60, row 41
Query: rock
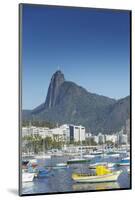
column 53, row 90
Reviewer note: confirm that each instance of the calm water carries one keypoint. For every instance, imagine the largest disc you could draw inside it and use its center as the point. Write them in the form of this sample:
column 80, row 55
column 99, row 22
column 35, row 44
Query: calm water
column 59, row 180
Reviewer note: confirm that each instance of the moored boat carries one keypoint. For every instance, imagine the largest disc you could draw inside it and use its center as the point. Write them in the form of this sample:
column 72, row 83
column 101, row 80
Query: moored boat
column 27, row 177
column 33, row 163
column 42, row 173
column 60, row 166
column 44, row 156
column 97, row 153
column 128, row 170
column 25, row 162
column 102, row 175
column 78, row 160
column 111, row 154
column 89, row 156
column 124, row 162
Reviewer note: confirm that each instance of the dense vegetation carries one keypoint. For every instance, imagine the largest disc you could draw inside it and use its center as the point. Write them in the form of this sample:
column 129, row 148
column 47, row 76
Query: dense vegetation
column 35, row 143
column 38, row 123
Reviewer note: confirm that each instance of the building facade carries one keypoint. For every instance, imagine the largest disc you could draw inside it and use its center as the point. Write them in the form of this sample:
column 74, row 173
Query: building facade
column 77, row 133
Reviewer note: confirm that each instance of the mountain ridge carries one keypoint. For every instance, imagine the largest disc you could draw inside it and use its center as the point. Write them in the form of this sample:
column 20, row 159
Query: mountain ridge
column 67, row 102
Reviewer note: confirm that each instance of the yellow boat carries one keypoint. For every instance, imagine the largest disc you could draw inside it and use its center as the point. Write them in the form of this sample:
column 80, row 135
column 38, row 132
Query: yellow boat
column 102, row 175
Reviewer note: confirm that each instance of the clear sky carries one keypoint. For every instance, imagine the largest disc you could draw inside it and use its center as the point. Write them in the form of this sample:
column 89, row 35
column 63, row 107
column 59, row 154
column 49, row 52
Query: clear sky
column 91, row 47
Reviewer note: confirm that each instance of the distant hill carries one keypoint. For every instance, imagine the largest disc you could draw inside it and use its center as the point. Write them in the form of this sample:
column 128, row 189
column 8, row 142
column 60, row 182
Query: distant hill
column 66, row 102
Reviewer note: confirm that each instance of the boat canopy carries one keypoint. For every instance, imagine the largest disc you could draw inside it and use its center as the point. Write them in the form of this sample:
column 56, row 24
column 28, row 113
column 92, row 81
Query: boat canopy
column 102, row 170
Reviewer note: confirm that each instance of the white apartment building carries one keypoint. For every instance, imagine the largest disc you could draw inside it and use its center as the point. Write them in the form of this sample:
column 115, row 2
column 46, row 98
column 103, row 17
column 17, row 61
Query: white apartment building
column 113, row 138
column 65, row 130
column 88, row 135
column 122, row 139
column 32, row 130
column 63, row 133
column 77, row 133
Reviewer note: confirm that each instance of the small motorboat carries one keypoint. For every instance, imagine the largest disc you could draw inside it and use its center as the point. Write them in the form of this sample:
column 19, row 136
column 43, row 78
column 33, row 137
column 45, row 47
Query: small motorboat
column 25, row 162
column 111, row 154
column 89, row 156
column 27, row 177
column 124, row 162
column 42, row 173
column 43, row 156
column 97, row 153
column 78, row 160
column 128, row 170
column 33, row 163
column 33, row 170
column 102, row 174
column 60, row 166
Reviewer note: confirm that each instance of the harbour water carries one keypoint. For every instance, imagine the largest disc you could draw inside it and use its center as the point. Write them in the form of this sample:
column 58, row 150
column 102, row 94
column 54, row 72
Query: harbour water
column 59, row 180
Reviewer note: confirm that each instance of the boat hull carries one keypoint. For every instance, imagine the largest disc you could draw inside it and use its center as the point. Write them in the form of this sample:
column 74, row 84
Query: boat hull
column 27, row 177
column 43, row 157
column 78, row 161
column 123, row 164
column 60, row 167
column 97, row 179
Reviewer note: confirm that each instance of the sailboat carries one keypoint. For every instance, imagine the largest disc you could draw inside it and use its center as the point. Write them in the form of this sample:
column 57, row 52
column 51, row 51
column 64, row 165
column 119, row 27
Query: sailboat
column 103, row 174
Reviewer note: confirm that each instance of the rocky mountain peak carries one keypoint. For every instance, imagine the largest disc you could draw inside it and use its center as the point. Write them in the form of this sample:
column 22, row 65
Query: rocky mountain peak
column 55, row 83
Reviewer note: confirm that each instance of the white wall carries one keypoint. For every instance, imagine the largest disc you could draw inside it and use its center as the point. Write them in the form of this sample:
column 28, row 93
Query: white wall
column 9, row 100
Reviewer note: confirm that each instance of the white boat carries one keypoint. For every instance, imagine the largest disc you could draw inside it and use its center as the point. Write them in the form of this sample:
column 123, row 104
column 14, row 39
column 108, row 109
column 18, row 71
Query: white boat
column 128, row 170
column 58, row 154
column 110, row 165
column 27, row 177
column 61, row 164
column 32, row 162
column 89, row 156
column 114, row 155
column 45, row 156
column 127, row 158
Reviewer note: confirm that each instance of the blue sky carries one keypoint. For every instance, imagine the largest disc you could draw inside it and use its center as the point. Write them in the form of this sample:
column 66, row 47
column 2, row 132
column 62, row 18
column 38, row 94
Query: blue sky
column 91, row 47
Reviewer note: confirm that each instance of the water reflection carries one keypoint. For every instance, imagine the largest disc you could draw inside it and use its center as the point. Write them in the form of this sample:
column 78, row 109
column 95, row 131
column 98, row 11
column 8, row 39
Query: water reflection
column 95, row 186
